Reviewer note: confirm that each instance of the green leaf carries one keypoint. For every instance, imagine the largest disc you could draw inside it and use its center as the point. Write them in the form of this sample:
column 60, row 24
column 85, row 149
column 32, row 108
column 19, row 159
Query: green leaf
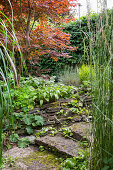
column 105, row 168
column 29, row 130
column 56, row 96
column 27, row 120
column 14, row 138
column 23, row 143
column 41, row 102
column 34, row 124
column 39, row 120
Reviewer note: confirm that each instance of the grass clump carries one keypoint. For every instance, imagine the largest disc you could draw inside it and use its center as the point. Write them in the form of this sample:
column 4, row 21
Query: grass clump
column 69, row 76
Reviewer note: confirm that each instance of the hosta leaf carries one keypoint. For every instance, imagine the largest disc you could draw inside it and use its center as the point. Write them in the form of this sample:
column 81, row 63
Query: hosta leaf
column 41, row 102
column 56, row 96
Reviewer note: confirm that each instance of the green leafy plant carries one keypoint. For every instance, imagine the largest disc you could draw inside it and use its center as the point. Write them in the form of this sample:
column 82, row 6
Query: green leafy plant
column 67, row 132
column 14, row 137
column 53, row 92
column 24, row 98
column 29, row 121
column 80, row 162
column 41, row 148
column 23, row 143
column 7, row 161
column 86, row 73
column 108, row 164
column 44, row 131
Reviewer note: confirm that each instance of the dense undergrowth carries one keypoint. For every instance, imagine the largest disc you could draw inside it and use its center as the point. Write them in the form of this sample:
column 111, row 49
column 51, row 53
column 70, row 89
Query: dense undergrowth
column 35, row 92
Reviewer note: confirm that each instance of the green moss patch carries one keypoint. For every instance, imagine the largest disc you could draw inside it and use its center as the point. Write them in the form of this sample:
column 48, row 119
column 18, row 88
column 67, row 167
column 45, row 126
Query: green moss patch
column 42, row 159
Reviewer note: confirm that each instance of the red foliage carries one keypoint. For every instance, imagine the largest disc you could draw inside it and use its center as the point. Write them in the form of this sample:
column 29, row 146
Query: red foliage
column 35, row 34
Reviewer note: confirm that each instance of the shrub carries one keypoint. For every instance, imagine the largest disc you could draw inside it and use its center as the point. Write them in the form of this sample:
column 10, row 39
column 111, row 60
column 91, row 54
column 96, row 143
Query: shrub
column 85, row 73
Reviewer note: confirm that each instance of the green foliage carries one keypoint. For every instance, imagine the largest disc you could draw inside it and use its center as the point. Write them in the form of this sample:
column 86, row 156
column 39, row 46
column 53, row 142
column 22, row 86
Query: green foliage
column 69, row 76
column 40, row 91
column 79, row 31
column 86, row 73
column 108, row 163
column 53, row 92
column 41, row 148
column 7, row 160
column 23, row 143
column 28, row 121
column 101, row 53
column 67, row 132
column 79, row 163
column 24, row 98
column 14, row 137
column 46, row 130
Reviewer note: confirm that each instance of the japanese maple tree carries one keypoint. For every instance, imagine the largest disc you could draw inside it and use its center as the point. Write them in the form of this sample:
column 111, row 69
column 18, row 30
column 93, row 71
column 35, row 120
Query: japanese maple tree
column 36, row 35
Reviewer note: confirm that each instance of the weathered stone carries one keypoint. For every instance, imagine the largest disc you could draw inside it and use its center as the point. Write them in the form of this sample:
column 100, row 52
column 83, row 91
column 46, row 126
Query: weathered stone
column 64, row 146
column 49, row 123
column 32, row 159
column 45, row 106
column 65, row 100
column 35, row 110
column 53, row 110
column 81, row 131
column 31, row 139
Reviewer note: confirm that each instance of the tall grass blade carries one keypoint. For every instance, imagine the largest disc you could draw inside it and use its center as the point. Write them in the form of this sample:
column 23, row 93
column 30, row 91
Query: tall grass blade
column 101, row 54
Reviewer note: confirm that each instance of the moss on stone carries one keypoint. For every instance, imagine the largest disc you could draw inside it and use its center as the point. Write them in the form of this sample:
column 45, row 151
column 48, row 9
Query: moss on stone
column 45, row 158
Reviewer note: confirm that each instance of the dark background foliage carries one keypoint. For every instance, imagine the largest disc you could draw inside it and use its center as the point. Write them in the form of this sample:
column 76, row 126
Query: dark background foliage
column 79, row 31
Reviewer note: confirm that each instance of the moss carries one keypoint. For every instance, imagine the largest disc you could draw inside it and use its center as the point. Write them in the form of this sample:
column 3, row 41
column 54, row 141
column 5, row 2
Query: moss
column 55, row 104
column 45, row 158
column 83, row 127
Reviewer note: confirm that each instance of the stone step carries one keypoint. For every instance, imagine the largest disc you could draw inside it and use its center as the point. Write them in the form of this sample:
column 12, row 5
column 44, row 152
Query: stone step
column 64, row 146
column 31, row 158
column 81, row 131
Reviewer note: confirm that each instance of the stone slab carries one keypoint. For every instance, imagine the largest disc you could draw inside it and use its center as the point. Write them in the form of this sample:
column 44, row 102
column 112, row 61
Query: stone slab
column 81, row 131
column 64, row 146
column 31, row 158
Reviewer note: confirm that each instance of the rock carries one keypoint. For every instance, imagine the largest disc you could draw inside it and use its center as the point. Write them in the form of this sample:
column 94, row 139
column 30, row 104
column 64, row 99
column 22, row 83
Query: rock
column 81, row 131
column 64, row 146
column 86, row 118
column 35, row 110
column 53, row 110
column 31, row 139
column 16, row 152
column 49, row 105
column 32, row 159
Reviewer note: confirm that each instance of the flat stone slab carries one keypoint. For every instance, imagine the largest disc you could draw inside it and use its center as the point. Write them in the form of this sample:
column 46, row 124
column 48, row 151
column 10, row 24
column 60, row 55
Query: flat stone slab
column 31, row 158
column 64, row 146
column 81, row 131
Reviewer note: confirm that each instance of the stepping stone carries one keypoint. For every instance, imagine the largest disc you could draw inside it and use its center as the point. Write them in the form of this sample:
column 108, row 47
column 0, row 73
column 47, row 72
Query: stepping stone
column 64, row 146
column 81, row 131
column 32, row 159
